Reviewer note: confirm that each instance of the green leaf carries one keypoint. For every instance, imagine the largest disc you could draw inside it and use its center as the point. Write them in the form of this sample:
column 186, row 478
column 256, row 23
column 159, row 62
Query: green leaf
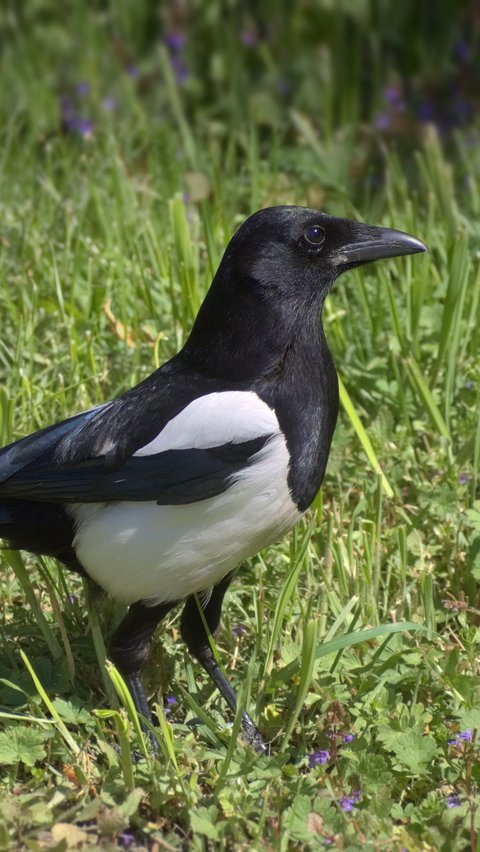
column 202, row 822
column 473, row 516
column 374, row 771
column 22, row 745
column 413, row 750
column 73, row 836
column 295, row 819
column 70, row 712
column 470, row 719
column 131, row 803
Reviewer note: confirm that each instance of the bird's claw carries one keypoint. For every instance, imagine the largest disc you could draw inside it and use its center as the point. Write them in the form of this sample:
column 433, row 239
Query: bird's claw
column 252, row 735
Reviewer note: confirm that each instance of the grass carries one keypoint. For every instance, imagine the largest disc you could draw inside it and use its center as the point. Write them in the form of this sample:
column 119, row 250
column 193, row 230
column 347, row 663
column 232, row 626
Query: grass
column 356, row 636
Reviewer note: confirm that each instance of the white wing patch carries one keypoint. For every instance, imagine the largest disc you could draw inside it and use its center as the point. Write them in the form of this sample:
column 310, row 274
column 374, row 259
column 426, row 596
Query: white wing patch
column 215, row 419
column 142, row 551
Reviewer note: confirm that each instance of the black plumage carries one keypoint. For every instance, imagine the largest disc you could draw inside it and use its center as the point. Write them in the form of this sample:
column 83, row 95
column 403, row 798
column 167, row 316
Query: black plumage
column 238, row 423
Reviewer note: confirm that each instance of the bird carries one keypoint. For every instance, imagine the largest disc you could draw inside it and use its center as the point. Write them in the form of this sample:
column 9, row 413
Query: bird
column 159, row 495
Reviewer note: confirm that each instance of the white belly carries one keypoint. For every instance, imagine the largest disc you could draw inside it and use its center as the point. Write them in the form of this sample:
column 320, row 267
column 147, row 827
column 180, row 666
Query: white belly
column 142, row 551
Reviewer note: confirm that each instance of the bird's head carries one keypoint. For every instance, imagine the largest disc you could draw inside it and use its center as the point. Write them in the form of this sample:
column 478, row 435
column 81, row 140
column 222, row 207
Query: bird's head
column 300, row 252
column 273, row 279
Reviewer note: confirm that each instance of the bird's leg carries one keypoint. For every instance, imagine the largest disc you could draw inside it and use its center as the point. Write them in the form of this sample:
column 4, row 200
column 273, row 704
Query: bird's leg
column 129, row 649
column 193, row 632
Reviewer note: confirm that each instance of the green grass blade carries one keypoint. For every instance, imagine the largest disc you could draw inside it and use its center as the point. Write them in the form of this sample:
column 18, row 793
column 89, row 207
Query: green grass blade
column 173, row 94
column 421, row 386
column 60, row 724
column 237, row 724
column 99, row 643
column 347, row 641
column 286, row 594
column 126, row 699
column 126, row 759
column 167, row 732
column 306, row 671
column 363, row 437
column 17, row 565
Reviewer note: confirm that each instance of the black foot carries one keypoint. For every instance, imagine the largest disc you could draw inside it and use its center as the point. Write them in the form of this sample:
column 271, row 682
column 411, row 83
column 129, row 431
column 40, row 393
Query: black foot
column 152, row 739
column 137, row 692
column 252, row 735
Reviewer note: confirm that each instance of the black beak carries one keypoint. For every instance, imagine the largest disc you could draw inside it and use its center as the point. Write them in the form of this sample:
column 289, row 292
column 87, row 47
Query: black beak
column 371, row 243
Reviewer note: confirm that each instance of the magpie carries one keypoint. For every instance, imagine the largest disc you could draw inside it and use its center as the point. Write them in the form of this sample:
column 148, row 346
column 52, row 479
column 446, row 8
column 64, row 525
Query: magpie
column 158, row 495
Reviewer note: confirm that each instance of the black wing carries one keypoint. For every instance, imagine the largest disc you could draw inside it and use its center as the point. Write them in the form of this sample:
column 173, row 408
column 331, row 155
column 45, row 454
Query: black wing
column 42, row 444
column 115, row 430
column 172, row 477
column 90, row 457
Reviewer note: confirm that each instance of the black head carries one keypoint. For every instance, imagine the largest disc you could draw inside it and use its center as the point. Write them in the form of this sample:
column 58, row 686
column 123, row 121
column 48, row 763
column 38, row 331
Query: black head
column 286, row 247
column 273, row 279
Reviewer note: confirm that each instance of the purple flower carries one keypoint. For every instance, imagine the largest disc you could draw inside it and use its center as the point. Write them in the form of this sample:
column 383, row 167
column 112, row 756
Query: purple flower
column 170, row 702
column 83, row 126
column 71, row 121
column 461, row 108
column 108, row 103
column 392, row 95
column 462, row 736
column 382, row 121
column 461, row 51
column 426, row 111
column 132, row 71
column 175, row 42
column 453, row 801
column 75, row 124
column 283, row 86
column 348, row 738
column 126, row 838
column 179, row 68
column 67, row 107
column 239, row 630
column 464, row 478
column 318, row 757
column 347, row 803
column 249, row 38
column 72, row 599
column 83, row 89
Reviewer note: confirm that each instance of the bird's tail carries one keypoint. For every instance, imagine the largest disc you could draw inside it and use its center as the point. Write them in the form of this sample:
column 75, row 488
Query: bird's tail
column 5, row 515
column 41, row 528
column 11, row 533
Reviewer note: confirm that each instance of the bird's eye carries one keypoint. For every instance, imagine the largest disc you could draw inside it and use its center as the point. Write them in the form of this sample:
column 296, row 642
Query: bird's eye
column 313, row 238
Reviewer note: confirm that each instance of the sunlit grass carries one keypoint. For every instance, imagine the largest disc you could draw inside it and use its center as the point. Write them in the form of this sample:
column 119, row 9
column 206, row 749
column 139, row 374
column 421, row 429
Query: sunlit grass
column 108, row 244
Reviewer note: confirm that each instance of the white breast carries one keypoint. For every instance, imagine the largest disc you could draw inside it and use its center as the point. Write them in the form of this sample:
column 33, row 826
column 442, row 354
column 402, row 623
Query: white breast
column 142, row 551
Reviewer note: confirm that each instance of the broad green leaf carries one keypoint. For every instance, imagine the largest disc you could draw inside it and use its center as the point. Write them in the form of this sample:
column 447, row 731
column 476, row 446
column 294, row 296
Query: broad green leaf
column 203, row 821
column 413, row 750
column 22, row 745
